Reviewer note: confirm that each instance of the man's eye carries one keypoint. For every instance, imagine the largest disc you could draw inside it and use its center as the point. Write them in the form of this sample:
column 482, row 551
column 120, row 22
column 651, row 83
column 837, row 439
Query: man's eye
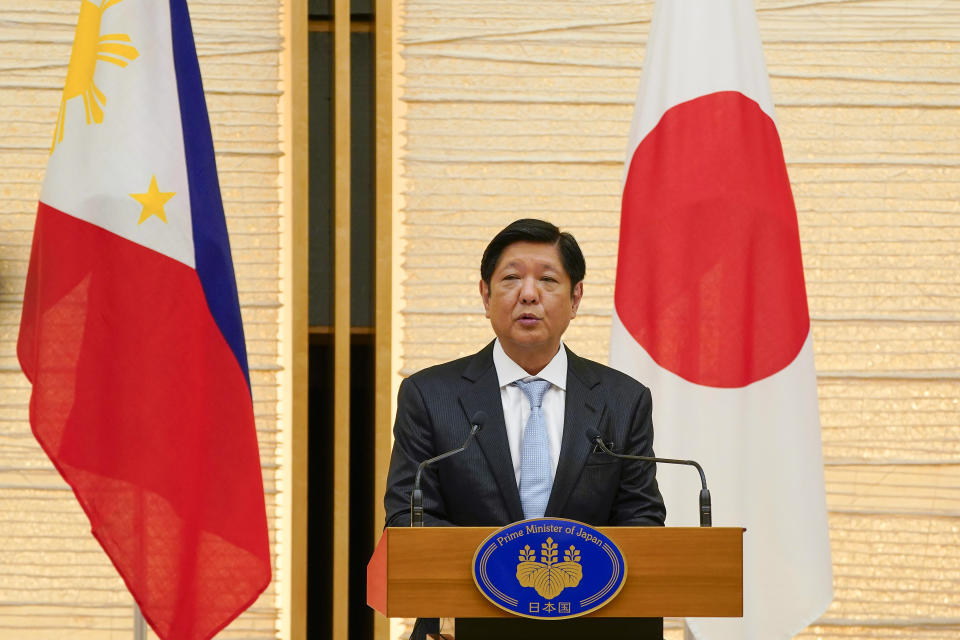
column 511, row 276
column 548, row 279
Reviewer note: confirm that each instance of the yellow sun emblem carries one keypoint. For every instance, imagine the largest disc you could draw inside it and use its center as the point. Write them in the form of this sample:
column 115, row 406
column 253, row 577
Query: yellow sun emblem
column 88, row 47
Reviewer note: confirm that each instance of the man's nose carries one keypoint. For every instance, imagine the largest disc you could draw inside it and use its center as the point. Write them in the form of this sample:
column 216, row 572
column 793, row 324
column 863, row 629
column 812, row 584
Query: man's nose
column 528, row 291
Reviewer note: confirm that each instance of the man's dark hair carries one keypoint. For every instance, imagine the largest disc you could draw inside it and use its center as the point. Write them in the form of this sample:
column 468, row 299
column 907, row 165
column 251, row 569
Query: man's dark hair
column 539, row 231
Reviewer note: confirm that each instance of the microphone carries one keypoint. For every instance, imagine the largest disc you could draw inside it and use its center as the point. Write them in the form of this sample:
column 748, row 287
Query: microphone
column 706, row 519
column 416, row 498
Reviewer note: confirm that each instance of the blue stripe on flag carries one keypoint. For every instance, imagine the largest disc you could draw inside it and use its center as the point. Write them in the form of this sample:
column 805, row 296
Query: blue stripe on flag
column 210, row 241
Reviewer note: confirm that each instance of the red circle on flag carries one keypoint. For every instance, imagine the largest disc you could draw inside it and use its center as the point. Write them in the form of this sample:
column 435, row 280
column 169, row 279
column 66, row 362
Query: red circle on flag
column 709, row 275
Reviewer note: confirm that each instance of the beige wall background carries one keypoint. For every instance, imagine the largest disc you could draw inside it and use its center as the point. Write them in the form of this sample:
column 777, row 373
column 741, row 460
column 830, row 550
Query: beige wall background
column 516, row 109
column 55, row 581
column 522, row 109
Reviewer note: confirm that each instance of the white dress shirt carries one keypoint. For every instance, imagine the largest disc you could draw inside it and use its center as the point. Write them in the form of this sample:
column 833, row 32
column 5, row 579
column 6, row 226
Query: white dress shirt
column 516, row 407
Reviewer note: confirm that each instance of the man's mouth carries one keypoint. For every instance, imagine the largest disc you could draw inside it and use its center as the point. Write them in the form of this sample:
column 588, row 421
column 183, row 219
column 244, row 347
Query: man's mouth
column 528, row 319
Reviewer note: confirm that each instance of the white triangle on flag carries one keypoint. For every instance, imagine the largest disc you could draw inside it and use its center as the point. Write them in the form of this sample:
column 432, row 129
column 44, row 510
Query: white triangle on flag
column 96, row 167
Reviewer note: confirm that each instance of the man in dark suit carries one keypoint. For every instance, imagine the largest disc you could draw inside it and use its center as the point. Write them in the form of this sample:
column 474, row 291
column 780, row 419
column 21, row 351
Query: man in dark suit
column 533, row 456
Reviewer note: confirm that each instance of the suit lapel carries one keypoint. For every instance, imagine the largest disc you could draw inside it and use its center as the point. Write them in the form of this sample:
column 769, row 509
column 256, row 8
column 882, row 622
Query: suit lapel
column 584, row 406
column 482, row 393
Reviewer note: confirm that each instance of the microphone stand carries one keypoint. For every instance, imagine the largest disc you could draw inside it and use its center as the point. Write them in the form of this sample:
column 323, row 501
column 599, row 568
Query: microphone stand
column 416, row 497
column 706, row 518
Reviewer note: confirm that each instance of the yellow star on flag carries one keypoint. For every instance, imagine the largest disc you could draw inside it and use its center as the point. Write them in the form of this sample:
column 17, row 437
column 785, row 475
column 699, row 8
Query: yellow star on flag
column 153, row 201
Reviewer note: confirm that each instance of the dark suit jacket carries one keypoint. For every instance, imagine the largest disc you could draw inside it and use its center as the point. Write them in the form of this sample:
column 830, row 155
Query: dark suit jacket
column 478, row 487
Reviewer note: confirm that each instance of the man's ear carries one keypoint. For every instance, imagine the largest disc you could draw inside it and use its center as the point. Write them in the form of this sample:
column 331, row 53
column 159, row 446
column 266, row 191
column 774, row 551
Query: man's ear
column 485, row 296
column 575, row 298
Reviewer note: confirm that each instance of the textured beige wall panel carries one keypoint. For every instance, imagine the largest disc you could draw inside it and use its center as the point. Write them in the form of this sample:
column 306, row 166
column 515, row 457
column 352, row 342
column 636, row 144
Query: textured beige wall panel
column 516, row 109
column 55, row 580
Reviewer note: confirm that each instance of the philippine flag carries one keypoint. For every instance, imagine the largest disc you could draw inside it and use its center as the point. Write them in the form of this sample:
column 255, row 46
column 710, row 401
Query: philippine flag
column 711, row 309
column 131, row 333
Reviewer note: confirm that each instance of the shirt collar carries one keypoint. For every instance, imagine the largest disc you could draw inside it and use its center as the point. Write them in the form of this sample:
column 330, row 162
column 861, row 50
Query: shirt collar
column 509, row 371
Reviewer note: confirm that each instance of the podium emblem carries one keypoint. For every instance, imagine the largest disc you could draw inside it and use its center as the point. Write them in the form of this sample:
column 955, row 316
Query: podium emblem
column 549, row 568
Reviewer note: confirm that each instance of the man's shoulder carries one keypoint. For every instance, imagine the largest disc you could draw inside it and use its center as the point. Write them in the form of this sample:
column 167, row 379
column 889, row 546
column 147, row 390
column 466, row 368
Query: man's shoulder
column 454, row 370
column 607, row 376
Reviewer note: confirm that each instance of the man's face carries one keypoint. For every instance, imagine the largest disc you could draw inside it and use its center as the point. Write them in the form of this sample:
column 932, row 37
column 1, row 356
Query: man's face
column 529, row 301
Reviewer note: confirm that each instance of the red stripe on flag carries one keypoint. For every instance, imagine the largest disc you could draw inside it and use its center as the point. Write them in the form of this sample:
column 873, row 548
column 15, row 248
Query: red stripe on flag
column 709, row 277
column 141, row 405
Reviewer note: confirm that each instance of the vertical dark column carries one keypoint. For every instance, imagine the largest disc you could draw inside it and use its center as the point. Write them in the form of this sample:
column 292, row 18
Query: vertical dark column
column 320, row 313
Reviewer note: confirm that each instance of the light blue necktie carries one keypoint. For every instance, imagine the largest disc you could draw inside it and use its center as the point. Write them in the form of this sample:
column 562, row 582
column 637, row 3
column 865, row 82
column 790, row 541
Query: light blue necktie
column 536, row 472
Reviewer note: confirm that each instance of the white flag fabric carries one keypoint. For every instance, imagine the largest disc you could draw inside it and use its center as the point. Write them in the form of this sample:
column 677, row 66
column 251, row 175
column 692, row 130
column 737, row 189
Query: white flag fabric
column 711, row 310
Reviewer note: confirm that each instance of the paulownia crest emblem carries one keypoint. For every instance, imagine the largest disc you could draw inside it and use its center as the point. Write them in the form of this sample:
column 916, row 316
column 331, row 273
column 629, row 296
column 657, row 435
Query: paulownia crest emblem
column 549, row 577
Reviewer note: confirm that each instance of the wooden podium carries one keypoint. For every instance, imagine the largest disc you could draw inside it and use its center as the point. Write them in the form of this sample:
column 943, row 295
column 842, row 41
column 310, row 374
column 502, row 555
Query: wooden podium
column 671, row 571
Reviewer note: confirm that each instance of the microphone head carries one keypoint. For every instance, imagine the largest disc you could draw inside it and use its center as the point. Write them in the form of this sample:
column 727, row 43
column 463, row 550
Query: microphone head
column 478, row 419
column 592, row 435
